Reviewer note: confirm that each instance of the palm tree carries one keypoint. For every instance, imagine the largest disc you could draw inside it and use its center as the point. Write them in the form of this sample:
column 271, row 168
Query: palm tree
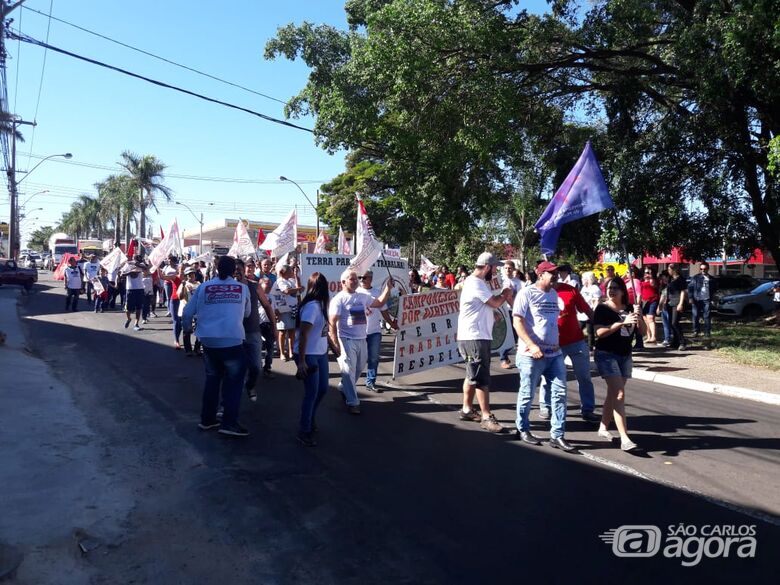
column 147, row 173
column 119, row 203
column 83, row 218
column 7, row 126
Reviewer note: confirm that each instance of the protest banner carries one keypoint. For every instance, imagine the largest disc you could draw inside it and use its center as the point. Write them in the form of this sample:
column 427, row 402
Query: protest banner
column 427, row 327
column 332, row 265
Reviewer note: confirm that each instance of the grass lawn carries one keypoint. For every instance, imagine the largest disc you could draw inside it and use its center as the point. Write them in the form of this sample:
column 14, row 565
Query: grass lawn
column 753, row 344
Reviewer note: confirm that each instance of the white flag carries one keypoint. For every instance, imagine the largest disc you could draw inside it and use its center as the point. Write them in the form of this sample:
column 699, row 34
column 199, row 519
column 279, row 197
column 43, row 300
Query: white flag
column 284, row 238
column 369, row 248
column 170, row 243
column 242, row 243
column 426, row 266
column 322, row 241
column 364, row 231
column 344, row 247
column 114, row 260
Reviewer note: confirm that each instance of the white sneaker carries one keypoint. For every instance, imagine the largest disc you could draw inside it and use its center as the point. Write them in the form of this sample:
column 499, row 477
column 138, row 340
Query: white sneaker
column 605, row 434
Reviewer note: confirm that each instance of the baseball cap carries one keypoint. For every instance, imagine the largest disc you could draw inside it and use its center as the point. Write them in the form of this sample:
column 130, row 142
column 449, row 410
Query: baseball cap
column 546, row 267
column 190, row 270
column 487, row 259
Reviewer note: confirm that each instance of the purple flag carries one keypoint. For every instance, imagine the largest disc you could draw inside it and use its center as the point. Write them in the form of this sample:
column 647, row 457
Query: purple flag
column 583, row 193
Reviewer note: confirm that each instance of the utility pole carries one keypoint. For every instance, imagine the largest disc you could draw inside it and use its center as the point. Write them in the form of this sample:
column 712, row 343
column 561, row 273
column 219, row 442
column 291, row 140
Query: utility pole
column 13, row 235
column 7, row 8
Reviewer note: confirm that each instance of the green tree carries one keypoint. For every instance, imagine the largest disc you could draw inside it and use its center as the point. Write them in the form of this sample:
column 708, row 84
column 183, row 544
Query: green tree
column 448, row 96
column 119, row 203
column 39, row 238
column 147, row 172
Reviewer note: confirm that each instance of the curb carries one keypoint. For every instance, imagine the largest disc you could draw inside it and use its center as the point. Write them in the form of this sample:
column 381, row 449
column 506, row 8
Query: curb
column 722, row 389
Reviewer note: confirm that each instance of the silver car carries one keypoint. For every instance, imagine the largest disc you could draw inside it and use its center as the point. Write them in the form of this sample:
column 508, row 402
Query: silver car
column 748, row 305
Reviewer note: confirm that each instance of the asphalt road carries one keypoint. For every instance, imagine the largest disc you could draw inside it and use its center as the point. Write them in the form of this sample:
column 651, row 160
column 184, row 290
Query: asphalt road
column 404, row 493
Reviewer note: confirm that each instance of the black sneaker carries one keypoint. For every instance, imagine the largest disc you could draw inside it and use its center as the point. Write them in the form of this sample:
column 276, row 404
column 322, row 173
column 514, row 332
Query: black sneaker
column 268, row 374
column 235, row 430
column 472, row 415
column 307, row 439
column 252, row 394
column 371, row 387
column 208, row 426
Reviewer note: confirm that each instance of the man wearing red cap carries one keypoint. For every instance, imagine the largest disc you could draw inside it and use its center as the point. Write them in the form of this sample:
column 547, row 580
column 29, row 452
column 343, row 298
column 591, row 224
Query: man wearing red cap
column 536, row 311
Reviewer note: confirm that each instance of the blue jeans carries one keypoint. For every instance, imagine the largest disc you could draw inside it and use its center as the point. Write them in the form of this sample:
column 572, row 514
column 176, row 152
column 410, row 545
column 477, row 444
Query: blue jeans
column 667, row 326
column 266, row 330
column 315, row 386
column 252, row 345
column 176, row 319
column 373, row 342
column 701, row 309
column 580, row 360
column 531, row 371
column 225, row 368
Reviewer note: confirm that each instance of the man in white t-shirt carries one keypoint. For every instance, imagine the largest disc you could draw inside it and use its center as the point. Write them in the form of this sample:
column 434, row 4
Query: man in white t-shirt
column 374, row 329
column 539, row 354
column 91, row 270
column 348, row 327
column 475, row 335
column 134, row 286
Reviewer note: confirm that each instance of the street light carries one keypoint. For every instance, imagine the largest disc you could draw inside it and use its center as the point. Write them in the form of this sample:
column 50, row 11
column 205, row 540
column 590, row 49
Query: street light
column 40, row 162
column 200, row 222
column 26, row 201
column 316, row 212
column 13, row 240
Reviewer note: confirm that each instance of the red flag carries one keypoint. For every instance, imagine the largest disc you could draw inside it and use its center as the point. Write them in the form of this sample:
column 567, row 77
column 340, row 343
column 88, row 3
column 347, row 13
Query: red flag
column 260, row 236
column 131, row 249
column 162, row 234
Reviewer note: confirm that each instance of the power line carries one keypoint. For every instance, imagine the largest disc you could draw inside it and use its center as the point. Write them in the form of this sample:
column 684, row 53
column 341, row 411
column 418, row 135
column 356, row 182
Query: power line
column 147, row 53
column 184, row 176
column 27, row 39
column 40, row 84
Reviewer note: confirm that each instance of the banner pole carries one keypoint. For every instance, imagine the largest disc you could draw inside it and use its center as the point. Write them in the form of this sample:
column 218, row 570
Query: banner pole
column 621, row 238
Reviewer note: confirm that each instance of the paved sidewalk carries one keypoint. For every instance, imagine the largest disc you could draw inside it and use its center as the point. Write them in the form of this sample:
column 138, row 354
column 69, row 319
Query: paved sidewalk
column 708, row 371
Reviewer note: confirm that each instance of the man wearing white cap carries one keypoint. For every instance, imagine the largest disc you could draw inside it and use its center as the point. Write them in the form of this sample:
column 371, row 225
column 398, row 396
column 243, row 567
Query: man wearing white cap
column 475, row 335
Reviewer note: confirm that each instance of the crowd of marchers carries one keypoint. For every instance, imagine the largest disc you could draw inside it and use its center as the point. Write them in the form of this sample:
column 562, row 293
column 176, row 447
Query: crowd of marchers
column 242, row 314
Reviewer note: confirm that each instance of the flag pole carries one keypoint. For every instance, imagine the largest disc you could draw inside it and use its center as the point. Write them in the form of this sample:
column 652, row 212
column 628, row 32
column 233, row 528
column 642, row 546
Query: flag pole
column 622, row 240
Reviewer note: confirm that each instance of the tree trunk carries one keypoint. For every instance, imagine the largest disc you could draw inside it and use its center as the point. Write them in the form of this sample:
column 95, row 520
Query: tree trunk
column 142, row 218
column 118, row 228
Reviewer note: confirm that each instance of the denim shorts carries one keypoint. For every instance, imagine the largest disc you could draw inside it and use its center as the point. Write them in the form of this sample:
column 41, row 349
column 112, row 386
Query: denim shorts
column 650, row 308
column 611, row 364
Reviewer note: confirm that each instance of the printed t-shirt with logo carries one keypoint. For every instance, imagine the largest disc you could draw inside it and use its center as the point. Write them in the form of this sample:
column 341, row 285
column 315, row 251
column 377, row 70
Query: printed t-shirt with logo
column 540, row 311
column 702, row 293
column 317, row 342
column 475, row 320
column 569, row 302
column 284, row 285
column 351, row 311
column 374, row 317
column 279, row 299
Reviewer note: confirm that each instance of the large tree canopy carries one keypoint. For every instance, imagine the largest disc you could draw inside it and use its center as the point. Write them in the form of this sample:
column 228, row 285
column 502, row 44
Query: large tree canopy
column 459, row 100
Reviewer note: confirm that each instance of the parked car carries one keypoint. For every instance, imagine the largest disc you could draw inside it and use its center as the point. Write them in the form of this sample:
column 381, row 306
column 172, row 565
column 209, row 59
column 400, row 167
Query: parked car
column 31, row 260
column 732, row 284
column 748, row 305
column 11, row 273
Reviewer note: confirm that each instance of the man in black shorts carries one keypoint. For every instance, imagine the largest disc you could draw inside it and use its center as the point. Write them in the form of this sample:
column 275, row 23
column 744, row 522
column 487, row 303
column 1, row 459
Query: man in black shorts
column 135, row 291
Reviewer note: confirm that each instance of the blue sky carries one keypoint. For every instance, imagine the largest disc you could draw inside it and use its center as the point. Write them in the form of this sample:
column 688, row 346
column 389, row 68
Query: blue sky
column 95, row 113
